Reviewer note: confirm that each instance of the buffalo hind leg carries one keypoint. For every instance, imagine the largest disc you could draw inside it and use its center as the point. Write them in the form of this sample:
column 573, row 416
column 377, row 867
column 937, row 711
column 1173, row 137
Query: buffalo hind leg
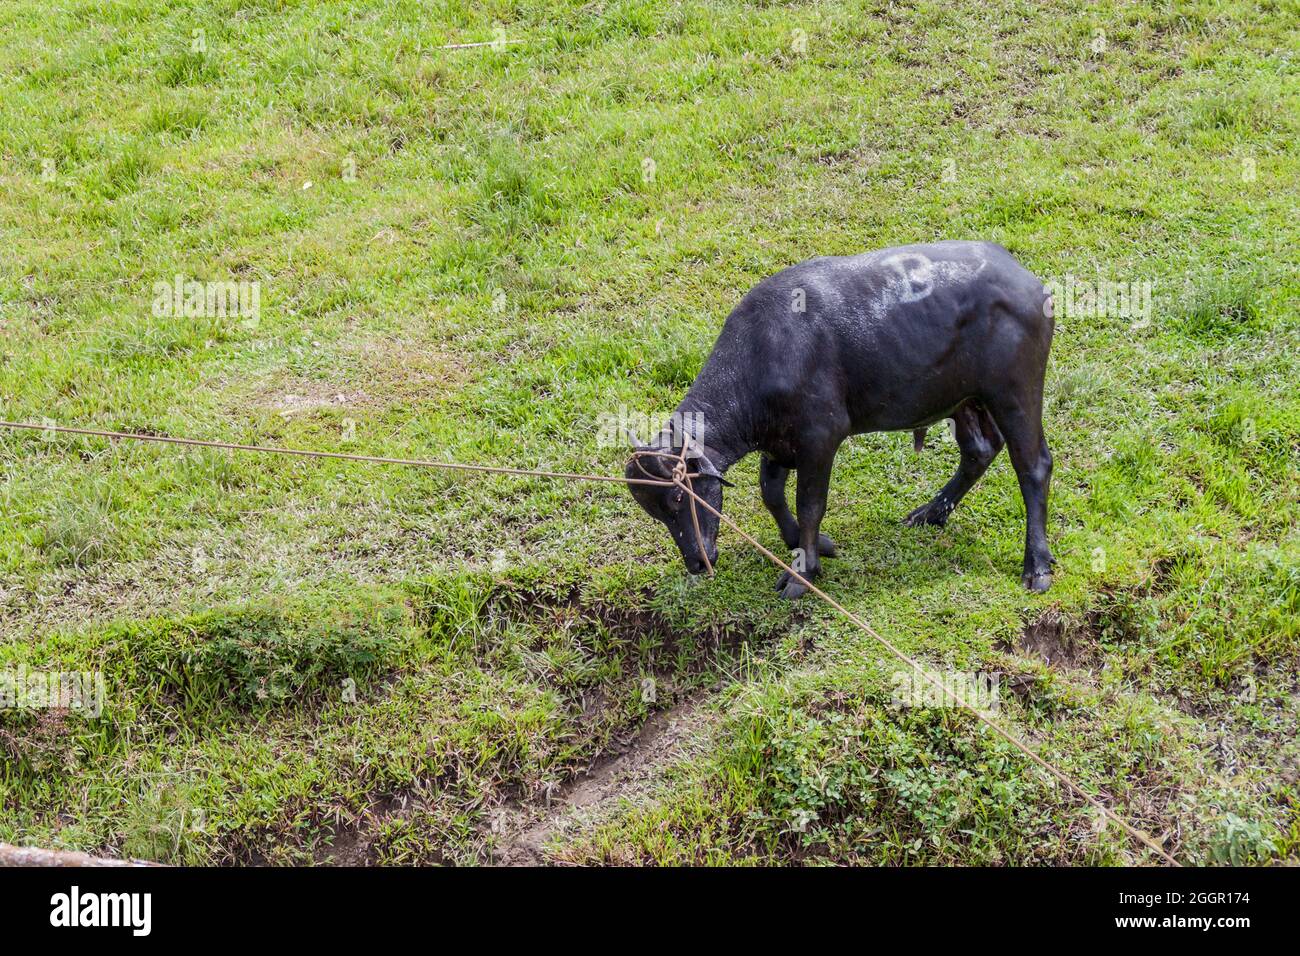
column 980, row 441
column 1022, row 425
column 771, row 482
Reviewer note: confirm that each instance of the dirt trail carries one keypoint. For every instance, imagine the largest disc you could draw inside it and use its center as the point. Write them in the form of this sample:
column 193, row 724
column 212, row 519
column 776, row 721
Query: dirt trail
column 665, row 736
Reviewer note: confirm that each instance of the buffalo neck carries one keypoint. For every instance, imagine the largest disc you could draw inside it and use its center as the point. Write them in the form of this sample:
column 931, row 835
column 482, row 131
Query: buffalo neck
column 715, row 419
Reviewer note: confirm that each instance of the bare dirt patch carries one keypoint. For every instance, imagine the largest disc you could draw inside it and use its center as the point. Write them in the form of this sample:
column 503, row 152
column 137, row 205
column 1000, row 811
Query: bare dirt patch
column 352, row 843
column 308, row 396
column 520, row 830
column 627, row 753
column 628, row 774
column 377, row 373
column 1059, row 641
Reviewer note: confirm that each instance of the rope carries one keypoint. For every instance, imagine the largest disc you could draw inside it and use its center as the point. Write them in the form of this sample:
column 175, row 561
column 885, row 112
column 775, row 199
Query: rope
column 681, row 478
column 304, row 453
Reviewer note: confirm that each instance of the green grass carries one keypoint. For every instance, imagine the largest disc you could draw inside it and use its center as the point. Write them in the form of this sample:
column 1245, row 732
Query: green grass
column 299, row 651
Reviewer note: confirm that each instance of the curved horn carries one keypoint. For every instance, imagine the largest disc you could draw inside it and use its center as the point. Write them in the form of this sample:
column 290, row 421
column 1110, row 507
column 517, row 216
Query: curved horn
column 705, row 467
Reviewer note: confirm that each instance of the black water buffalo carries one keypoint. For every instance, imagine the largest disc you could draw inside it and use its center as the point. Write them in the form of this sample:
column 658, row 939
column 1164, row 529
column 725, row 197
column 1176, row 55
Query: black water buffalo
column 840, row 345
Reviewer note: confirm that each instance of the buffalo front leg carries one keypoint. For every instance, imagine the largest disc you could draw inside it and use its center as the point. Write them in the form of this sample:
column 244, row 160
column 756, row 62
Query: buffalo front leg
column 811, row 489
column 771, row 482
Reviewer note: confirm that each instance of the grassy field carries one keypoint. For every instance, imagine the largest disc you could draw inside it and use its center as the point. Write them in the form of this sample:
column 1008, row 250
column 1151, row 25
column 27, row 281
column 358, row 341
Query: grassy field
column 480, row 254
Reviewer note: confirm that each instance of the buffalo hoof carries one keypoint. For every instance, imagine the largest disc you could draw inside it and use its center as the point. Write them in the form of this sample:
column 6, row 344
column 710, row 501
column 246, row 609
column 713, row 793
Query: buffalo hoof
column 789, row 588
column 932, row 512
column 1037, row 581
